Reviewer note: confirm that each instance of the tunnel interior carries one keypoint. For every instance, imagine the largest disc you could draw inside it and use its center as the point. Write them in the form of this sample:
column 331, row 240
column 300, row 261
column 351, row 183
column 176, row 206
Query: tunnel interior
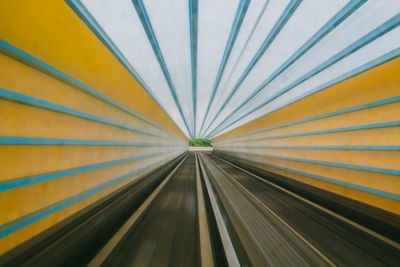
column 199, row 132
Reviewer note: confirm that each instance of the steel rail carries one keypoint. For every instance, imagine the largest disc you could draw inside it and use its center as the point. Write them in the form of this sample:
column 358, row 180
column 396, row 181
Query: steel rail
column 227, row 244
column 334, row 214
column 205, row 241
column 291, row 229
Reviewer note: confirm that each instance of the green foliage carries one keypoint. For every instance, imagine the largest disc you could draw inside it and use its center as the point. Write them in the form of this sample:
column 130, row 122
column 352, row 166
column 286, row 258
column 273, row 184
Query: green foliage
column 200, row 142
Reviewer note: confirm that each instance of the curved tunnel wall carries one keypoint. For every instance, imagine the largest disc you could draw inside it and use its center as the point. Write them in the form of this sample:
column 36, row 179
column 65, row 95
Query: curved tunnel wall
column 344, row 138
column 75, row 123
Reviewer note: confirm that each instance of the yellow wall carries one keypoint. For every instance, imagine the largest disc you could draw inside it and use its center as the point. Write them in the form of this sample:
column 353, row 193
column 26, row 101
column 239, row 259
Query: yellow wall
column 359, row 163
column 90, row 144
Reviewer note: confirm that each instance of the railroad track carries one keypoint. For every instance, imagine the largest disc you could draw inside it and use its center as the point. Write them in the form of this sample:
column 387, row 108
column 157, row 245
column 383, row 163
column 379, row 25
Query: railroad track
column 201, row 210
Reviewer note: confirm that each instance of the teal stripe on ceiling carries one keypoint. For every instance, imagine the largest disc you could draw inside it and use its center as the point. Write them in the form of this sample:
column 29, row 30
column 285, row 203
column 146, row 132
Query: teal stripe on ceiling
column 144, row 18
column 193, row 22
column 281, row 22
column 334, row 22
column 365, row 67
column 36, row 63
column 389, row 25
column 93, row 25
column 237, row 23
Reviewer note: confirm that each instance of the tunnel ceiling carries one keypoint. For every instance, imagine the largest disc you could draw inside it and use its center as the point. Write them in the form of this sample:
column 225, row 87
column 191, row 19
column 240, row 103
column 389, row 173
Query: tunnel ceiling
column 216, row 64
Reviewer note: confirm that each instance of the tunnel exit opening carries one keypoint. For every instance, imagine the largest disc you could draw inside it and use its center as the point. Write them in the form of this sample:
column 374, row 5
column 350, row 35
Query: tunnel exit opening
column 200, row 144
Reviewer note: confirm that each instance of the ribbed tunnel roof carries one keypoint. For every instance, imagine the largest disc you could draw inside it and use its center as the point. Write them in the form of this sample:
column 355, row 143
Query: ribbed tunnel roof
column 215, row 65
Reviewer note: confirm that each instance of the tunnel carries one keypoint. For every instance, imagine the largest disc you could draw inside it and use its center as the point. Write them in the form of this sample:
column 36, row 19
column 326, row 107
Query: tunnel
column 199, row 133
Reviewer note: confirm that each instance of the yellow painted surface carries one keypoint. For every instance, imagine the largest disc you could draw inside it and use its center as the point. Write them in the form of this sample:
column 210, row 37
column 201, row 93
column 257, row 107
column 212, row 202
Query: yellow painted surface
column 30, row 231
column 22, row 201
column 40, row 85
column 365, row 137
column 52, row 32
column 28, row 160
column 29, row 121
column 377, row 84
column 365, row 197
column 380, row 181
column 379, row 114
column 373, row 158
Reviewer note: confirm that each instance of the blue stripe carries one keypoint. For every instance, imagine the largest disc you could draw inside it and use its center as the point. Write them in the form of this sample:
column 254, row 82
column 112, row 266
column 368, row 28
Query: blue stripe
column 193, row 21
column 144, row 18
column 365, row 67
column 13, row 140
column 20, row 182
column 322, row 147
column 363, row 41
column 339, row 112
column 352, row 128
column 361, row 188
column 22, row 222
column 91, row 22
column 337, row 19
column 57, row 108
column 30, row 60
column 281, row 22
column 370, row 37
column 249, row 37
column 340, row 165
column 237, row 23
